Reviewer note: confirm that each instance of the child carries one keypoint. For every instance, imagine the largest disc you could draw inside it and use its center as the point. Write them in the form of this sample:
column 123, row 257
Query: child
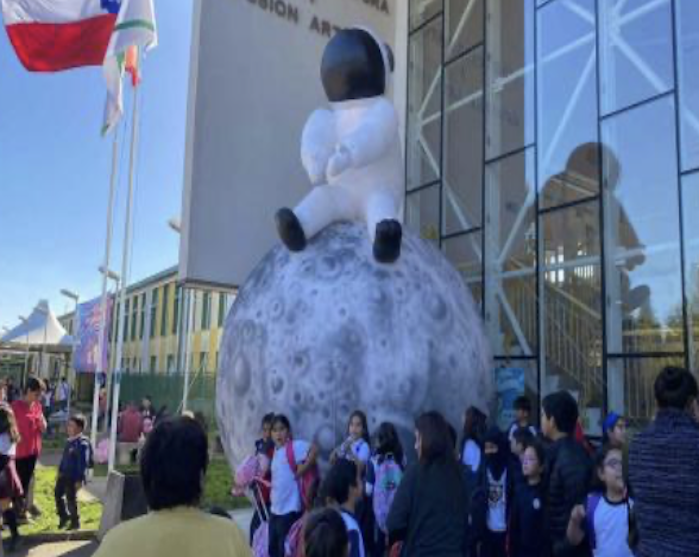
column 342, row 488
column 614, row 431
column 384, row 473
column 604, row 519
column 523, row 410
column 356, row 446
column 526, row 536
column 472, row 439
column 325, row 535
column 10, row 486
column 357, row 449
column 521, row 438
column 287, row 504
column 497, row 458
column 263, row 446
column 71, row 473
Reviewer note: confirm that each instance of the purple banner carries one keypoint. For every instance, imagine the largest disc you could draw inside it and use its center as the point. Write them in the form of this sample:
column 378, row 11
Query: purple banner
column 87, row 349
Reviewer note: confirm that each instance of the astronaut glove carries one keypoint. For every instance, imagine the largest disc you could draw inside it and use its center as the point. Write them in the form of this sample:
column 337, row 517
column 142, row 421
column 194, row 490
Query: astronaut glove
column 339, row 162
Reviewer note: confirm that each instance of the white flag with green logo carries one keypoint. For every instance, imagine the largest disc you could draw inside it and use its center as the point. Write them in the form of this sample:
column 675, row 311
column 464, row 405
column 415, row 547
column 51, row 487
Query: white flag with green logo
column 135, row 27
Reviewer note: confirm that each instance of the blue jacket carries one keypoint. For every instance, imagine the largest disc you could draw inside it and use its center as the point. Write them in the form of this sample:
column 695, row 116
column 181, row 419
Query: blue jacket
column 74, row 462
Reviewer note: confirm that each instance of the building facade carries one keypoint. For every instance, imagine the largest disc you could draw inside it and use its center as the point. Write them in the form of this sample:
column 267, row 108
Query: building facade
column 155, row 311
column 553, row 155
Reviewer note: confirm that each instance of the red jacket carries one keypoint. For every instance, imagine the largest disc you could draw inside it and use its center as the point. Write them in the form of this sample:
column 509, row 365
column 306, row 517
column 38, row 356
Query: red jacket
column 31, row 424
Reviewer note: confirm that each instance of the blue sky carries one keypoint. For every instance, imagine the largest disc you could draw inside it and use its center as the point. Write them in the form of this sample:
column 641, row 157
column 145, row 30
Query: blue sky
column 54, row 172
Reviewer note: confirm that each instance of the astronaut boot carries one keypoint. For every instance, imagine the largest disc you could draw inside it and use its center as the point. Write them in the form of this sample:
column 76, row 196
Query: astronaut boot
column 387, row 241
column 290, row 230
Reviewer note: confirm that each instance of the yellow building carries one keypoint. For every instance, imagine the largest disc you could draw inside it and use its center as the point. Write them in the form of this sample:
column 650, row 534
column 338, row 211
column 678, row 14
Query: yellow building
column 155, row 310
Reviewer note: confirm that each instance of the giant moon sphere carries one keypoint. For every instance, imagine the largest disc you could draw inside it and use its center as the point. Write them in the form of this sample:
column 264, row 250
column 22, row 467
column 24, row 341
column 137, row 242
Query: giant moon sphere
column 317, row 334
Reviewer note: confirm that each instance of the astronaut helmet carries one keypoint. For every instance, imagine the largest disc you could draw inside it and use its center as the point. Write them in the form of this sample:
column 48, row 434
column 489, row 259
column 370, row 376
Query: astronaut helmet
column 356, row 65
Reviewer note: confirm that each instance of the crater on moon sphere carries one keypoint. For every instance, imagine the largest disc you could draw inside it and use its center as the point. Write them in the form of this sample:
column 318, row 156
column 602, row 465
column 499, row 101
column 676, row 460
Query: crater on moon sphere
column 317, row 334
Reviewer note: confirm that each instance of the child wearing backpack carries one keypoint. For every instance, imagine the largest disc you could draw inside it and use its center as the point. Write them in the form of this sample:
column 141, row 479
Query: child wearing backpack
column 261, row 491
column 384, row 474
column 72, row 472
column 604, row 519
column 497, row 458
column 342, row 489
column 526, row 535
column 292, row 462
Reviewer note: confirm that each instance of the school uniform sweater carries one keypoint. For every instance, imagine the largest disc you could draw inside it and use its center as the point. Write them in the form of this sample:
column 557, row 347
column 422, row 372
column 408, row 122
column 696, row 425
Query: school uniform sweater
column 664, row 472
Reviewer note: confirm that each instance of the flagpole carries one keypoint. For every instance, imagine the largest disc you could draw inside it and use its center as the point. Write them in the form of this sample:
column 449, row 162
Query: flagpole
column 117, row 372
column 101, row 350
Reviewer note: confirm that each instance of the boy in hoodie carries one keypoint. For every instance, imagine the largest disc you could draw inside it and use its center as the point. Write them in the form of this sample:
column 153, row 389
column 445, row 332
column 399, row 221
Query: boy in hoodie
column 71, row 473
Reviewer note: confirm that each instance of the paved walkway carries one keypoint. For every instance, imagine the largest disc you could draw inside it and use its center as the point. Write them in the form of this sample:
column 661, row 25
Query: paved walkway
column 58, row 549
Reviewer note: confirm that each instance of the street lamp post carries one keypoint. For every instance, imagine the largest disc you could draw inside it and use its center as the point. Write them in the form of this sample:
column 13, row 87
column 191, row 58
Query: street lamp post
column 25, row 372
column 76, row 298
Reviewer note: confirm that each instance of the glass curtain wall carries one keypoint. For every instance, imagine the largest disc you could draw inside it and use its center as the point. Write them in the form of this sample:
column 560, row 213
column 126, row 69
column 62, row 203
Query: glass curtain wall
column 553, row 155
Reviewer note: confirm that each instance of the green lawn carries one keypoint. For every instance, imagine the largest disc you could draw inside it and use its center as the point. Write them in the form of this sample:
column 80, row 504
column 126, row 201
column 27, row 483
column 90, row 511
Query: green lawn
column 217, row 489
column 90, row 513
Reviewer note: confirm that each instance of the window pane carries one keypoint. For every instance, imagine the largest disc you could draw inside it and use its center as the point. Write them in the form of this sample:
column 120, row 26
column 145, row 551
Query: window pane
column 571, row 288
column 567, row 102
column 465, row 253
column 688, row 62
column 510, row 76
column 635, row 51
column 630, row 384
column 422, row 213
column 644, row 289
column 512, row 379
column 510, row 266
column 464, row 25
column 425, row 105
column 421, row 10
column 463, row 144
column 690, row 208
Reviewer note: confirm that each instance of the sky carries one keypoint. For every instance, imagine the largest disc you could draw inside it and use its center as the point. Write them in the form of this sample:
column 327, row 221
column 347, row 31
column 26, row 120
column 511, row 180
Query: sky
column 55, row 168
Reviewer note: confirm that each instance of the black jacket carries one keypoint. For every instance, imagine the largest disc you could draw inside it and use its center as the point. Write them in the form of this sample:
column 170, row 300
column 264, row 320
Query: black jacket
column 664, row 471
column 429, row 511
column 75, row 459
column 527, row 535
column 569, row 473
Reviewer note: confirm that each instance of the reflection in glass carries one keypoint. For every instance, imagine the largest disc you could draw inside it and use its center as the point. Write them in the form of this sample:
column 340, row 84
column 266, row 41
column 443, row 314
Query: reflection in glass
column 630, row 386
column 690, row 210
column 422, row 10
column 510, row 43
column 466, row 254
column 463, row 143
column 422, row 213
column 510, row 263
column 464, row 25
column 644, row 290
column 688, row 62
column 571, row 291
column 567, row 102
column 425, row 105
column 635, row 51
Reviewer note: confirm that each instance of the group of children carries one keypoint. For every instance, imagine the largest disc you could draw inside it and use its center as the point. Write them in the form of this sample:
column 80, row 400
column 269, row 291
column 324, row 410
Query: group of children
column 510, row 474
column 71, row 475
column 359, row 485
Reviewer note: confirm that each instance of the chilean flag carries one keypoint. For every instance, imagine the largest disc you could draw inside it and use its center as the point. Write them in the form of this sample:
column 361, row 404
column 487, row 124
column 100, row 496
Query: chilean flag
column 55, row 35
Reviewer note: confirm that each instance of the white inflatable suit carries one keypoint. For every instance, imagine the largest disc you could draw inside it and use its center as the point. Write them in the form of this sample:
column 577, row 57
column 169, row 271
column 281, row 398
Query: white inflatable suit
column 351, row 151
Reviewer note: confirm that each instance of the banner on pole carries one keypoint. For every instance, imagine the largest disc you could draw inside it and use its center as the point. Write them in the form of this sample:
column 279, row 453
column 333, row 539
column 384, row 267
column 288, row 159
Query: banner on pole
column 87, row 333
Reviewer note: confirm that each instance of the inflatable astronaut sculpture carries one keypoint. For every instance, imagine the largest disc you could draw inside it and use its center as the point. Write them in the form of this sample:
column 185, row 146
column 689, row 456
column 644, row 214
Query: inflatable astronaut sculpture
column 351, row 152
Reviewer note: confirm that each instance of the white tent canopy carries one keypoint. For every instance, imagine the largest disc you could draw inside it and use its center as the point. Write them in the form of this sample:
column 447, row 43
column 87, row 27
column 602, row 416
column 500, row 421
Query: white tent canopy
column 41, row 328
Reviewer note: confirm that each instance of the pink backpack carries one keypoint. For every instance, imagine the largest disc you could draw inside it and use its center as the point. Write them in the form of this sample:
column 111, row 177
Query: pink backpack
column 260, row 541
column 388, row 475
column 293, row 543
